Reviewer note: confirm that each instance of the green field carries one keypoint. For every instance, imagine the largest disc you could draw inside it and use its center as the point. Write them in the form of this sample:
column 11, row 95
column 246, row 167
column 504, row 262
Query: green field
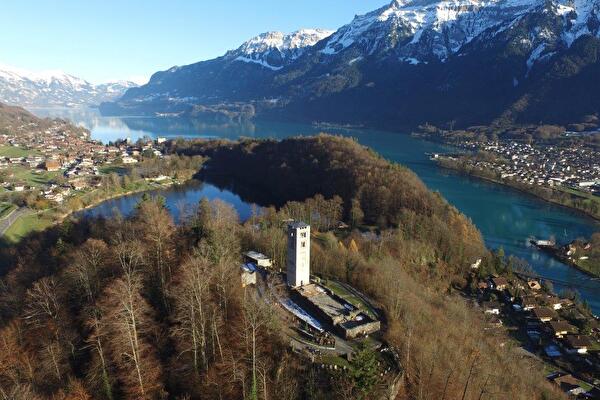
column 113, row 169
column 331, row 359
column 24, row 174
column 35, row 222
column 5, row 209
column 12, row 151
column 580, row 193
column 589, row 197
column 26, row 224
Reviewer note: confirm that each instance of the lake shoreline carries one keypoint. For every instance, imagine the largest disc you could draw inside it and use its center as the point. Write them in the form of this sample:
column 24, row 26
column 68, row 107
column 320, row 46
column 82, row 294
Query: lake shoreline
column 553, row 251
column 58, row 219
column 116, row 196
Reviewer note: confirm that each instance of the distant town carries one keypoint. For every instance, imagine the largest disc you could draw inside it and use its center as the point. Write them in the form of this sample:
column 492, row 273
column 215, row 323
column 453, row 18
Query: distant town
column 551, row 165
column 564, row 170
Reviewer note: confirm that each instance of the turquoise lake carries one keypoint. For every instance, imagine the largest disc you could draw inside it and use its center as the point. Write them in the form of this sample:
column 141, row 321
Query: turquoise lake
column 506, row 217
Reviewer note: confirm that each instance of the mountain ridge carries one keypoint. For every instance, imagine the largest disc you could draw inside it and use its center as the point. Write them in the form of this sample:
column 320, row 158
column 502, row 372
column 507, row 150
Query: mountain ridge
column 460, row 61
column 55, row 89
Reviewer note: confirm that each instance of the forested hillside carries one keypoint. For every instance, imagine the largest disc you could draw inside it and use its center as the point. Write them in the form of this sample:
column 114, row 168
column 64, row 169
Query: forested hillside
column 140, row 308
column 18, row 120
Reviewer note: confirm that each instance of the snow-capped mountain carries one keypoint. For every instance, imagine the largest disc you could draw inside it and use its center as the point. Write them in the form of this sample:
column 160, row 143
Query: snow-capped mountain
column 54, row 89
column 409, row 62
column 419, row 31
column 242, row 72
column 274, row 50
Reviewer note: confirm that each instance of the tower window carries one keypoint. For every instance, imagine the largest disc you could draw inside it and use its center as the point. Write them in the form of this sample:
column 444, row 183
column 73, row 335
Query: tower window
column 303, row 234
column 303, row 244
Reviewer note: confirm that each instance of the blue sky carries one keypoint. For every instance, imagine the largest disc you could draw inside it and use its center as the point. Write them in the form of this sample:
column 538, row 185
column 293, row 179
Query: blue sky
column 102, row 40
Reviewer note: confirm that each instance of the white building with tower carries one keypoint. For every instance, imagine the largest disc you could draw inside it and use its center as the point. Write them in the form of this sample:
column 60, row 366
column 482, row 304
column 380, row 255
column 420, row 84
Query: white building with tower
column 298, row 255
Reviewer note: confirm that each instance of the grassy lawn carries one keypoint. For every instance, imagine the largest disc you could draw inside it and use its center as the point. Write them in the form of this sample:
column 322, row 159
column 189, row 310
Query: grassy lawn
column 592, row 265
column 578, row 193
column 331, row 359
column 349, row 297
column 5, row 209
column 30, row 177
column 113, row 169
column 12, row 151
column 26, row 224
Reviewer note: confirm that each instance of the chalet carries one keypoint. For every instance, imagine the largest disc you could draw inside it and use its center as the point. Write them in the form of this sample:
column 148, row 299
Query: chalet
column 86, row 162
column 32, row 162
column 498, row 283
column 491, row 307
column 52, row 165
column 543, row 314
column 560, row 329
column 527, row 303
column 129, row 160
column 577, row 344
column 566, row 303
column 19, row 187
column 552, row 301
column 567, row 383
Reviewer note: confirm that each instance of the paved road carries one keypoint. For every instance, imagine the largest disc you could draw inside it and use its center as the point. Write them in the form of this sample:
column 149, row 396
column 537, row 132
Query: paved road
column 11, row 218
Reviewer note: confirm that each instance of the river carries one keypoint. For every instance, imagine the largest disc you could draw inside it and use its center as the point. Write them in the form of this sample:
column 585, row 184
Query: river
column 507, row 218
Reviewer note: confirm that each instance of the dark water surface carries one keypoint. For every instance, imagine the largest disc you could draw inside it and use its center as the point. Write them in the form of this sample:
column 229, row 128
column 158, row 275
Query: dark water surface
column 506, row 217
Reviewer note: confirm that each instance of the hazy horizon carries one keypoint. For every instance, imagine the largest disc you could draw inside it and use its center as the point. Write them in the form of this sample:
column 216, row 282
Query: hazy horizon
column 103, row 41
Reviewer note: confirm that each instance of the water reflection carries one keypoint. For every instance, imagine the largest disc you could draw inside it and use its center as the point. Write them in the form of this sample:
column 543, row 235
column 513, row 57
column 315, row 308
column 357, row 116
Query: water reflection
column 506, row 217
column 179, row 200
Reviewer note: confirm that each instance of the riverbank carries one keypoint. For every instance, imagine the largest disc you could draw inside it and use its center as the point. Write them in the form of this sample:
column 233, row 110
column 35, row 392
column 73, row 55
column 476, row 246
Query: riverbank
column 454, row 165
column 557, row 253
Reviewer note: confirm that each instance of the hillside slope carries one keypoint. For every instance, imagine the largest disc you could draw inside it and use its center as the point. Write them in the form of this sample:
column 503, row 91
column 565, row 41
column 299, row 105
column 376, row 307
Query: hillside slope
column 77, row 300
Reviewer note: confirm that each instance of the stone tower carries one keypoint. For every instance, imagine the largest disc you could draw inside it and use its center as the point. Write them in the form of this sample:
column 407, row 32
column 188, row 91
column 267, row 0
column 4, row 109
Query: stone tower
column 298, row 254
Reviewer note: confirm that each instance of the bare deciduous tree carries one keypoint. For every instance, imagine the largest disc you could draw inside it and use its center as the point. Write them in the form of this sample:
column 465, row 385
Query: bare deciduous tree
column 127, row 317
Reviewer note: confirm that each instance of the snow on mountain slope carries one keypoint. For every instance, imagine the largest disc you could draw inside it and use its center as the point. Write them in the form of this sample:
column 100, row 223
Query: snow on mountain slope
column 274, row 50
column 581, row 16
column 423, row 29
column 427, row 30
column 54, row 89
column 472, row 47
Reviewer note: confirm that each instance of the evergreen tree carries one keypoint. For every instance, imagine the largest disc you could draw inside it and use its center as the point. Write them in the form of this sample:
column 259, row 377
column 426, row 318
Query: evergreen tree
column 363, row 371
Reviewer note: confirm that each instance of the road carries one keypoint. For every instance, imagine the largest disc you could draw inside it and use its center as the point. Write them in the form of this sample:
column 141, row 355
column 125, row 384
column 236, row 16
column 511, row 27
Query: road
column 7, row 222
